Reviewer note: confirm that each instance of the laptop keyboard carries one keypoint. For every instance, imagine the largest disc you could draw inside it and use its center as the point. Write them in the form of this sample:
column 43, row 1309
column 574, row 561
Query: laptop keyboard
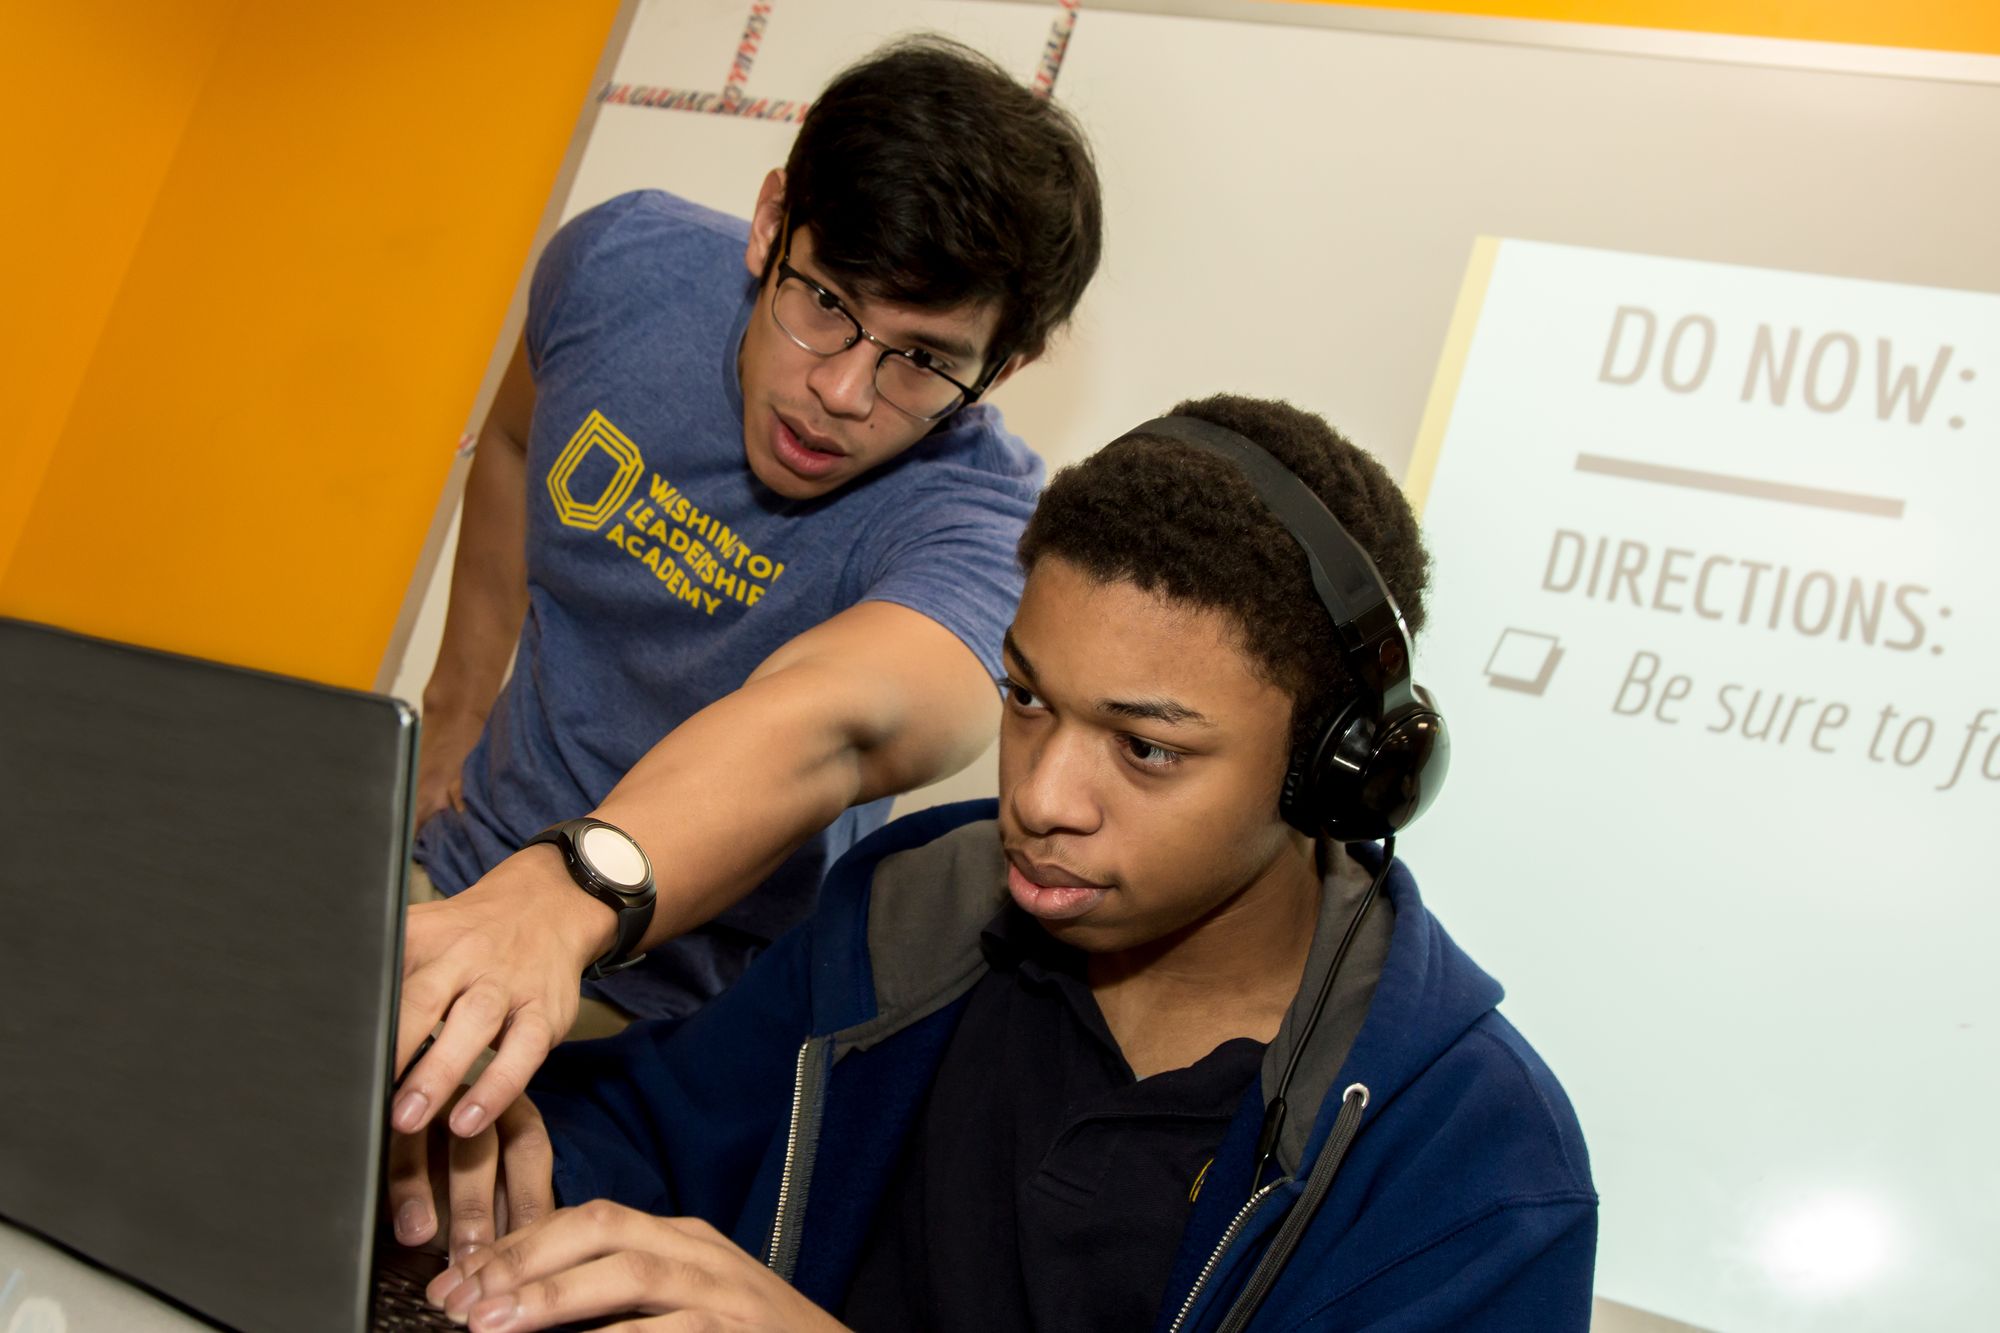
column 400, row 1306
column 400, row 1278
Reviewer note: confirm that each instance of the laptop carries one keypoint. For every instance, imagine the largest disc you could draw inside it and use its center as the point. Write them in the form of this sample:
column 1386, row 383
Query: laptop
column 202, row 878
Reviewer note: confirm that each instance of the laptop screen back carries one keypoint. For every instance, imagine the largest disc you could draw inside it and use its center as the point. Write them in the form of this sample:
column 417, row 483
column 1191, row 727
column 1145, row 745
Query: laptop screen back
column 201, row 872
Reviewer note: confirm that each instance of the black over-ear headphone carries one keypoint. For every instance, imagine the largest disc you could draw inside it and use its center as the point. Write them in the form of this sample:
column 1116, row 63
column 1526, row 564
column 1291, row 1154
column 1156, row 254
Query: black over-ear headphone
column 1381, row 761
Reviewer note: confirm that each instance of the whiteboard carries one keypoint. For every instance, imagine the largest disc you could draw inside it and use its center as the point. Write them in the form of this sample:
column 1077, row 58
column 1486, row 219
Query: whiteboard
column 1717, row 641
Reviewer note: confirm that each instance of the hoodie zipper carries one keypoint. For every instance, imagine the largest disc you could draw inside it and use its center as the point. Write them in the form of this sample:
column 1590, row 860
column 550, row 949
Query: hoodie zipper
column 1229, row 1235
column 801, row 1143
column 1347, row 1123
column 1318, row 1181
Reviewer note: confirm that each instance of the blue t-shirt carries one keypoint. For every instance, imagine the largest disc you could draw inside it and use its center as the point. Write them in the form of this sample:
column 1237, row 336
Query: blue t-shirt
column 661, row 573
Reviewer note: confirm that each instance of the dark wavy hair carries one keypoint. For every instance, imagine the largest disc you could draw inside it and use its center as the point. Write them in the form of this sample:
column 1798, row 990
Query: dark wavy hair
column 1185, row 524
column 930, row 176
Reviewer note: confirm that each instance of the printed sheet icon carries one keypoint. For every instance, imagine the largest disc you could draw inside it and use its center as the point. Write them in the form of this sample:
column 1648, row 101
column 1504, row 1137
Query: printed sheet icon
column 1523, row 660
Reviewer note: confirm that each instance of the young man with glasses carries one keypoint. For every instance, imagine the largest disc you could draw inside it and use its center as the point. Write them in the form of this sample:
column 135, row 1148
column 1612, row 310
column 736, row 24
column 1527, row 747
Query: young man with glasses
column 753, row 532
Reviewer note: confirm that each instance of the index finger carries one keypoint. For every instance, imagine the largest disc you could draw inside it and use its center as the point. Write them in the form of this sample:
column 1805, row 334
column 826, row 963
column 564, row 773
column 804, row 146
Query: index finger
column 425, row 995
column 473, row 1175
column 423, row 1049
column 412, row 1210
column 527, row 1160
column 476, row 1016
column 526, row 1043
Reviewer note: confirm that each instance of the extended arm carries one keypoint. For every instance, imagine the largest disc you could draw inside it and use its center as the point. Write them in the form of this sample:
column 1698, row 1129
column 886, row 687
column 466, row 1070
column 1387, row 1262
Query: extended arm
column 875, row 701
column 489, row 593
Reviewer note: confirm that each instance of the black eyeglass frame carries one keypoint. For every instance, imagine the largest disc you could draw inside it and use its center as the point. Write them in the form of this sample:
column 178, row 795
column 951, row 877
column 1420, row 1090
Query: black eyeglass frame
column 968, row 393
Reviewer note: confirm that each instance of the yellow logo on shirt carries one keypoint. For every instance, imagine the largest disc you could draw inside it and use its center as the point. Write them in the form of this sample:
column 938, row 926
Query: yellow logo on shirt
column 696, row 557
column 595, row 433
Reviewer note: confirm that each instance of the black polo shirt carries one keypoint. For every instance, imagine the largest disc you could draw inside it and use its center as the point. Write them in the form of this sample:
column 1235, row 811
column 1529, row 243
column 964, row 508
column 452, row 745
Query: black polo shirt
column 1043, row 1186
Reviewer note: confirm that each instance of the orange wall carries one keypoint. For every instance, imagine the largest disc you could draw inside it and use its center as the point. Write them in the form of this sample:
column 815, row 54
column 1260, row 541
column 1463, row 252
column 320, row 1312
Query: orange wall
column 71, row 76
column 278, row 256
column 1937, row 25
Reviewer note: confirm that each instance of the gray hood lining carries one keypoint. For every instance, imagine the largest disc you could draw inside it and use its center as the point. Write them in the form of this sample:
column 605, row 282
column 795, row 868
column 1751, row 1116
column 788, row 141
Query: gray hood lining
column 1342, row 887
column 940, row 894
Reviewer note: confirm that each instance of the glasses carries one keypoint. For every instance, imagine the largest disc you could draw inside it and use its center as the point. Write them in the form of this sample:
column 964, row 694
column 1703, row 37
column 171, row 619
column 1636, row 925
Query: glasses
column 905, row 378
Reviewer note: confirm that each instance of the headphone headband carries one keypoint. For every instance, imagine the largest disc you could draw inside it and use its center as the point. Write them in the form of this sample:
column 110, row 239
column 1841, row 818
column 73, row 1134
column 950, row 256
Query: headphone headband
column 1367, row 623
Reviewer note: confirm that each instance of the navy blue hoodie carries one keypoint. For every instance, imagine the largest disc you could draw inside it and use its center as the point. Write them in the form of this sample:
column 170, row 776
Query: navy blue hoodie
column 1442, row 1184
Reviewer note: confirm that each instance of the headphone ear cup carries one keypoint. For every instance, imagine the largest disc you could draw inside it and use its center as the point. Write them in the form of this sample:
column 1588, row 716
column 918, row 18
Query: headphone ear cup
column 1314, row 799
column 1372, row 775
column 1295, row 798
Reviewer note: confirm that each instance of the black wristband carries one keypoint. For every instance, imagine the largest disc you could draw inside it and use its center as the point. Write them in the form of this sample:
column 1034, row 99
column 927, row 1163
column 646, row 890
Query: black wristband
column 631, row 900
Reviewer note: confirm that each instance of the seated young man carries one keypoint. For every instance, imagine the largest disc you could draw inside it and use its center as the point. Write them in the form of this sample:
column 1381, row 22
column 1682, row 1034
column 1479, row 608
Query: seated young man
column 1016, row 1070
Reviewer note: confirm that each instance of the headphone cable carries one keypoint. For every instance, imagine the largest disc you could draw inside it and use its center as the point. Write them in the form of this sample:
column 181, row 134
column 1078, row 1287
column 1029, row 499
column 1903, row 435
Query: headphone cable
column 1274, row 1114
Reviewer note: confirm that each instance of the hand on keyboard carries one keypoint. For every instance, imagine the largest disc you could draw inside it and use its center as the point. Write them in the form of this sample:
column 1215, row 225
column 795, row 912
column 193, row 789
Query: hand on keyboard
column 497, row 1181
column 604, row 1259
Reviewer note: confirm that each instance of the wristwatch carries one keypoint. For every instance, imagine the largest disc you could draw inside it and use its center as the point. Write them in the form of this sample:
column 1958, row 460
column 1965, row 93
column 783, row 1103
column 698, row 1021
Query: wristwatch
column 609, row 866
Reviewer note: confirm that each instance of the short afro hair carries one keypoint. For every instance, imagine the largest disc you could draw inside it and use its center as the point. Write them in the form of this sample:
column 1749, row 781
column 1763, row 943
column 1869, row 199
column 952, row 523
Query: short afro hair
column 1187, row 525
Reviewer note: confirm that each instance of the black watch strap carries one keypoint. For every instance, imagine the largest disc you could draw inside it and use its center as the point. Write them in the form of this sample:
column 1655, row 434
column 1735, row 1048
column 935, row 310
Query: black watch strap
column 634, row 905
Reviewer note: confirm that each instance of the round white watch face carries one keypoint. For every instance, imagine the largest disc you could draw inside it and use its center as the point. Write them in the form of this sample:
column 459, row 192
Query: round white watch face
column 613, row 856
